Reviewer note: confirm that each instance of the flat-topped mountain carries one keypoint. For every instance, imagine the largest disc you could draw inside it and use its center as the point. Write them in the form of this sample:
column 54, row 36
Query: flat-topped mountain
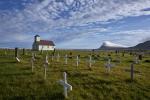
column 109, row 45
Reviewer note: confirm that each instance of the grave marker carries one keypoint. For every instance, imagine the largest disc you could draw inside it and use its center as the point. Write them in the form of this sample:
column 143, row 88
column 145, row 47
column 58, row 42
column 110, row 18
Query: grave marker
column 5, row 53
column 18, row 60
column 32, row 63
column 90, row 61
column 132, row 71
column 77, row 59
column 140, row 57
column 16, row 52
column 108, row 65
column 23, row 51
column 52, row 57
column 136, row 60
column 66, row 59
column 65, row 85
column 58, row 57
column 45, row 66
column 33, row 58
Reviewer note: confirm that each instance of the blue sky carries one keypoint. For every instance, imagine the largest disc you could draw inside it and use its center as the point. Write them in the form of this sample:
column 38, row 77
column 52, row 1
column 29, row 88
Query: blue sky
column 80, row 24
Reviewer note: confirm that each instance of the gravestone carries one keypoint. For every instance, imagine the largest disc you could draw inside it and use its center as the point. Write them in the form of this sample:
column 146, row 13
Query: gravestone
column 65, row 85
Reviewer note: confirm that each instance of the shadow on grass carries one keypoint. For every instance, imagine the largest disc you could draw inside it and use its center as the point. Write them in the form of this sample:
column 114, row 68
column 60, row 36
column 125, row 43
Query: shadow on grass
column 8, row 62
column 16, row 74
column 56, row 96
column 130, row 81
column 135, row 71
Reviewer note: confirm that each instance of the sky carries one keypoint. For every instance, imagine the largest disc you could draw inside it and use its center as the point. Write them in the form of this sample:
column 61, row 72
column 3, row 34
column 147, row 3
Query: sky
column 74, row 24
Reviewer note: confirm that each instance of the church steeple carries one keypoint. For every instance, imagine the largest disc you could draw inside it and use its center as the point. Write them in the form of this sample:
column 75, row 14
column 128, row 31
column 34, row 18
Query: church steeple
column 37, row 38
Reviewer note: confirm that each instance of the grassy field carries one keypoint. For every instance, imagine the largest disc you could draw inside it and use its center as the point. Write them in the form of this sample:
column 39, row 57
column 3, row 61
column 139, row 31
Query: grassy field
column 17, row 81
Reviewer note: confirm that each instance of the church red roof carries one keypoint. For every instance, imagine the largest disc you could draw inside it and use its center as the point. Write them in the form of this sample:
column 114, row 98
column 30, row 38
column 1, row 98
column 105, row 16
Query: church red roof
column 46, row 42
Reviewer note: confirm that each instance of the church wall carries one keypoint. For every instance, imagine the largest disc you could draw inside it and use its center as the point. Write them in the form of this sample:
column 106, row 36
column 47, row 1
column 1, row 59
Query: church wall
column 45, row 47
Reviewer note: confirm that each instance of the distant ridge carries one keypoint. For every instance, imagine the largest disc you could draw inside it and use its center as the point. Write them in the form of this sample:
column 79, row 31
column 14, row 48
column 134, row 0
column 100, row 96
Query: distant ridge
column 144, row 46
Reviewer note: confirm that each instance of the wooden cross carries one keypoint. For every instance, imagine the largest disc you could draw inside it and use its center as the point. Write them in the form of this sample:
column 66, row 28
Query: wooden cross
column 132, row 71
column 65, row 85
column 16, row 52
column 45, row 66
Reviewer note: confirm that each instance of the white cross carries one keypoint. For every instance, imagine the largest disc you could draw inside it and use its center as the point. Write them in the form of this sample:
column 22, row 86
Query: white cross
column 136, row 61
column 65, row 85
column 58, row 57
column 66, row 59
column 18, row 60
column 77, row 59
column 108, row 65
column 34, row 54
column 46, row 59
column 33, row 58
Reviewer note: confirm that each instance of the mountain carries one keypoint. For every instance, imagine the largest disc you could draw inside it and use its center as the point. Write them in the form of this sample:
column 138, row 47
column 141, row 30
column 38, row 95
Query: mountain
column 107, row 45
column 143, row 46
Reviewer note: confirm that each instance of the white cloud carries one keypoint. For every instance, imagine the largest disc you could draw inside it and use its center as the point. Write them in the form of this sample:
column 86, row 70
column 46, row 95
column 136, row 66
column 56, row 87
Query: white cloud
column 48, row 15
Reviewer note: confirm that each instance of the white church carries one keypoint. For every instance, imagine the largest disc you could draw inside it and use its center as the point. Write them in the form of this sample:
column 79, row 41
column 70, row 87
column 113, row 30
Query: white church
column 39, row 44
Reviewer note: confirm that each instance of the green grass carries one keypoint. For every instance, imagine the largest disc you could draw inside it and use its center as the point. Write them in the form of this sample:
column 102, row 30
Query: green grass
column 18, row 82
